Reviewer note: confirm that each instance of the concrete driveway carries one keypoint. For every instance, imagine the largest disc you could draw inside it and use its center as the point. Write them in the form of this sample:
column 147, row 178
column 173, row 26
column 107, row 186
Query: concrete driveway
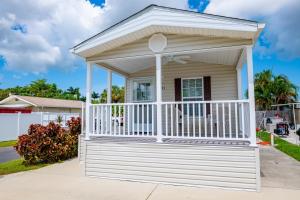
column 7, row 153
column 278, row 169
column 64, row 181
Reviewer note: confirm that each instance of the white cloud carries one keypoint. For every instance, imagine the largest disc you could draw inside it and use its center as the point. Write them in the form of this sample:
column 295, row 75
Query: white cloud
column 281, row 18
column 245, row 8
column 55, row 26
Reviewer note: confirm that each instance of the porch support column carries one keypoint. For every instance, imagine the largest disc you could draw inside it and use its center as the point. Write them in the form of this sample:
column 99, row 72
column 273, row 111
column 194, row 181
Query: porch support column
column 158, row 97
column 251, row 96
column 88, row 100
column 239, row 83
column 109, row 85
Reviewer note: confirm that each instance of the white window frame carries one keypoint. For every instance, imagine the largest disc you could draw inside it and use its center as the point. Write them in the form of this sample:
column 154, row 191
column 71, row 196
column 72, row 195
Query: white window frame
column 182, row 79
column 149, row 78
column 202, row 97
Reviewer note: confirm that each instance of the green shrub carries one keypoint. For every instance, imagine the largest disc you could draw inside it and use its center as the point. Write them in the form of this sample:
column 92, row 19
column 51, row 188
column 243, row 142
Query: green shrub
column 49, row 144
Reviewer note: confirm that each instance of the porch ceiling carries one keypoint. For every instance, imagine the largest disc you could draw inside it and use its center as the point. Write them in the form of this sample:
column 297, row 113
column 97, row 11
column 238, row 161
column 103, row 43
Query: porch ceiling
column 132, row 65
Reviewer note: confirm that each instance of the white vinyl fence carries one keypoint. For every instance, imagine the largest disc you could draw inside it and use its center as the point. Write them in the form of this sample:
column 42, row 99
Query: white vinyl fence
column 14, row 124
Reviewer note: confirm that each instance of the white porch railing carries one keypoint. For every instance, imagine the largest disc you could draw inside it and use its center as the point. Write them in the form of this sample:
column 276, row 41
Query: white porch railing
column 124, row 119
column 219, row 120
column 225, row 120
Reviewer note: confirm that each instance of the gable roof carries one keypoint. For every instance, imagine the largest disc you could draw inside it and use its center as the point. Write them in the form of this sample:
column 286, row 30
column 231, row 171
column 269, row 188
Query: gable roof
column 44, row 102
column 153, row 19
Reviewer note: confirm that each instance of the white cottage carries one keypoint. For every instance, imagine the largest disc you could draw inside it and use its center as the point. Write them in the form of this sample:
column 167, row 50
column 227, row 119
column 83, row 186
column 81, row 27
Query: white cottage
column 185, row 120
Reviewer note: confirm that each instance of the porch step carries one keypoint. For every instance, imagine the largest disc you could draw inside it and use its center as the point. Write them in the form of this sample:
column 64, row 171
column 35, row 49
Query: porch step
column 196, row 165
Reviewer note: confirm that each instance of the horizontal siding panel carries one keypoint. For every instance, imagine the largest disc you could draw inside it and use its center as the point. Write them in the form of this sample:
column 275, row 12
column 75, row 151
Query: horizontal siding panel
column 178, row 151
column 172, row 156
column 111, row 142
column 175, row 43
column 223, row 79
column 171, row 169
column 199, row 166
column 174, row 181
column 234, row 165
column 180, row 164
column 171, row 174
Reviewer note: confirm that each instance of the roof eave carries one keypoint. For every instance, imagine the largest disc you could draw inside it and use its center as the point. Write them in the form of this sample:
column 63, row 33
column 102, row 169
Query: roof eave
column 77, row 48
column 17, row 97
column 260, row 28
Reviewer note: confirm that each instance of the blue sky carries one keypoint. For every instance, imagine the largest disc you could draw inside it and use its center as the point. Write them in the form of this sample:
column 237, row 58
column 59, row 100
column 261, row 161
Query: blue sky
column 65, row 70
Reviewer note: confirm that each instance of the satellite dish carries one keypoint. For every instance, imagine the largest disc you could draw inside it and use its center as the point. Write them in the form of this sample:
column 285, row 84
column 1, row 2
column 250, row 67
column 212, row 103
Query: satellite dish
column 157, row 43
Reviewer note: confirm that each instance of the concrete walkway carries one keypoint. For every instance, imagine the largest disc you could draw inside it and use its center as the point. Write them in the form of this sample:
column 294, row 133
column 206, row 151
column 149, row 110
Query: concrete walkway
column 278, row 169
column 64, row 181
column 7, row 154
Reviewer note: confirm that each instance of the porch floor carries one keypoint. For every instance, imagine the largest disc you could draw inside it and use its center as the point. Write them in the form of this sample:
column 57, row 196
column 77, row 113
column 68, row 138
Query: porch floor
column 171, row 141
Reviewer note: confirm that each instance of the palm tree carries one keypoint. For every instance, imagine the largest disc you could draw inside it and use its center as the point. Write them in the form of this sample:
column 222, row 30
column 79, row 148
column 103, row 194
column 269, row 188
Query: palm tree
column 103, row 96
column 74, row 92
column 95, row 95
column 284, row 91
column 271, row 89
column 117, row 96
column 262, row 89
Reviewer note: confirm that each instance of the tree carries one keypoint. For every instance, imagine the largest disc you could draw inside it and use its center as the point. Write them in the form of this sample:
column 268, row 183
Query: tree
column 271, row 89
column 262, row 89
column 117, row 96
column 41, row 88
column 284, row 90
column 95, row 95
column 103, row 96
column 73, row 93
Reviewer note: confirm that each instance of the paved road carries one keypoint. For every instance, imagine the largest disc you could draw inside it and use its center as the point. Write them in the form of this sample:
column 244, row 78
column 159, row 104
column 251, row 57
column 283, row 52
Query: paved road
column 279, row 170
column 8, row 153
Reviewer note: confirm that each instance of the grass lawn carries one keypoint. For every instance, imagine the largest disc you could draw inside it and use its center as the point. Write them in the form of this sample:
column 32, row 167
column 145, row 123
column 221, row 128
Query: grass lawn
column 290, row 149
column 8, row 143
column 14, row 166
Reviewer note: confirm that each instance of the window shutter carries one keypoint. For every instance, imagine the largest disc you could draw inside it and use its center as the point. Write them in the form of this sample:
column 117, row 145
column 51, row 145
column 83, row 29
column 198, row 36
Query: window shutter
column 177, row 87
column 207, row 92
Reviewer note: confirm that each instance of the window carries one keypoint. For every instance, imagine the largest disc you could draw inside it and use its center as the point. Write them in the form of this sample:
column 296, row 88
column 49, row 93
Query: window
column 192, row 90
column 142, row 90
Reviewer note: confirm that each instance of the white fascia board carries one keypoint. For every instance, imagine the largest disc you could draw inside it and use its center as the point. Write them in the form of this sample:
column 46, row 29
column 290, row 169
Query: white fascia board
column 158, row 18
column 16, row 97
column 7, row 99
column 260, row 28
column 15, row 106
column 26, row 101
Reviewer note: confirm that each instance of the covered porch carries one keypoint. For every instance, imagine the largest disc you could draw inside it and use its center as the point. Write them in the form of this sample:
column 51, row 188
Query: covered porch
column 185, row 94
column 183, row 74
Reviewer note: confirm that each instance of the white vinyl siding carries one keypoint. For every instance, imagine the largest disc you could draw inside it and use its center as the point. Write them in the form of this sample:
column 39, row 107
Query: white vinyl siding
column 223, row 79
column 175, row 43
column 225, row 166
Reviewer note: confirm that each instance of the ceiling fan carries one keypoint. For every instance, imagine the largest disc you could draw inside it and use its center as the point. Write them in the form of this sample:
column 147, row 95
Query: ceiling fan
column 182, row 59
